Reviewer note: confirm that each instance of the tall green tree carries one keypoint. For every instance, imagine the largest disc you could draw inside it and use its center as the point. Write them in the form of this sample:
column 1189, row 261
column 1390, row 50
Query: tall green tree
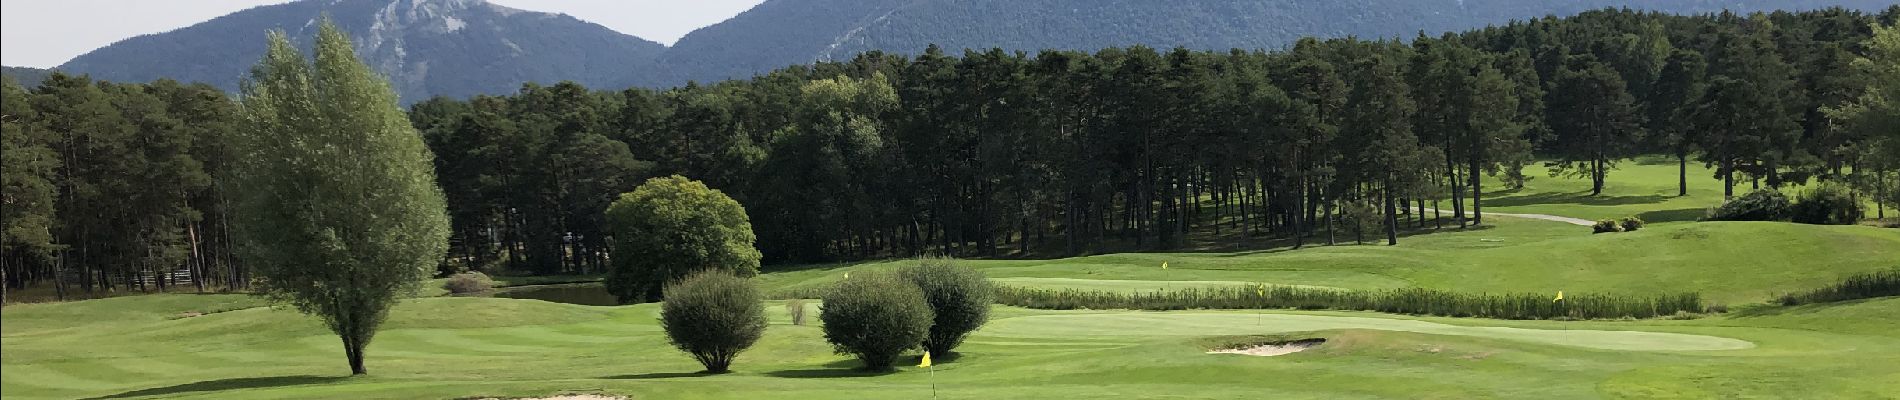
column 1749, row 125
column 1876, row 112
column 337, row 204
column 1595, row 119
column 28, row 170
column 1675, row 94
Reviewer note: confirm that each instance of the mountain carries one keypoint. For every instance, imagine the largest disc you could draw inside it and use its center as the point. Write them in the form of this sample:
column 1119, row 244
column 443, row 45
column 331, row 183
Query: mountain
column 459, row 48
column 454, row 48
column 783, row 32
column 26, row 76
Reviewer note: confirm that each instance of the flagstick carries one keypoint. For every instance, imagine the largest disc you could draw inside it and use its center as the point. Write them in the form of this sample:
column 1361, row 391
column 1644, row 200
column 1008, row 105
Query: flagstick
column 933, row 381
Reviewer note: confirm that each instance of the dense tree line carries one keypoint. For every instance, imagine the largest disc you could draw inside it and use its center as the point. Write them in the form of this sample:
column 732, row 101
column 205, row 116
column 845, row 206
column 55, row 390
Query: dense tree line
column 994, row 152
column 110, row 185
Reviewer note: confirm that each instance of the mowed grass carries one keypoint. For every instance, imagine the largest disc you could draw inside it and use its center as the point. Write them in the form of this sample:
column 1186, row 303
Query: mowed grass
column 1727, row 262
column 1644, row 187
column 470, row 347
column 231, row 346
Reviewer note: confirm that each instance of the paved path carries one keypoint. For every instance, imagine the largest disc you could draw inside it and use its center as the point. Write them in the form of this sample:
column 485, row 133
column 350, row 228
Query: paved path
column 1546, row 217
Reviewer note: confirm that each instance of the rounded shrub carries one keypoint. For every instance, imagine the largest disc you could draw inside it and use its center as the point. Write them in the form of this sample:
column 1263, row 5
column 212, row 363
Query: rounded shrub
column 713, row 315
column 1826, row 204
column 959, row 297
column 672, row 227
column 1759, row 205
column 1631, row 224
column 876, row 317
column 468, row 282
column 1607, row 226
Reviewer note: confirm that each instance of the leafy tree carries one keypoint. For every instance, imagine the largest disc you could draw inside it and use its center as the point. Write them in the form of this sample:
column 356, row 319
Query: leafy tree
column 28, row 171
column 1677, row 90
column 673, row 227
column 336, row 201
column 1595, row 119
column 1876, row 113
column 1743, row 111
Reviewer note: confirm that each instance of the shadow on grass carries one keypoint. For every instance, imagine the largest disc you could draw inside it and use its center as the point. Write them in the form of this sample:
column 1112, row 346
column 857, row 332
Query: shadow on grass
column 229, row 384
column 1771, row 310
column 1678, row 215
column 830, row 373
column 1578, row 198
column 663, row 375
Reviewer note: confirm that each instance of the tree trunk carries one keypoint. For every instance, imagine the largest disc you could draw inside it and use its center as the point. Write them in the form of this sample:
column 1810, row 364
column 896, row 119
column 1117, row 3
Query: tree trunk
column 1391, row 216
column 1682, row 174
column 353, row 350
column 1477, row 194
column 1728, row 178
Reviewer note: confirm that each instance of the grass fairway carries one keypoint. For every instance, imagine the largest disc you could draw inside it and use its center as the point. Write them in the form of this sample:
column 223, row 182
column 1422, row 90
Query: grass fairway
column 231, row 347
column 463, row 347
column 1728, row 262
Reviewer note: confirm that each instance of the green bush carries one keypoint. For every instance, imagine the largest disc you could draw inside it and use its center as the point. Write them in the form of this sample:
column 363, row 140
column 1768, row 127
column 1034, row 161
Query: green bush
column 876, row 317
column 713, row 315
column 672, row 227
column 959, row 296
column 1399, row 301
column 1607, row 226
column 1631, row 224
column 1827, row 204
column 1863, row 286
column 468, row 282
column 1759, row 205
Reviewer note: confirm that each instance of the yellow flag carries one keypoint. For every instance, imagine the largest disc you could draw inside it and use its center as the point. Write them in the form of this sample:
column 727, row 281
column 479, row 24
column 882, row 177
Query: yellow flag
column 926, row 363
column 1164, row 265
column 1560, row 297
column 1260, row 290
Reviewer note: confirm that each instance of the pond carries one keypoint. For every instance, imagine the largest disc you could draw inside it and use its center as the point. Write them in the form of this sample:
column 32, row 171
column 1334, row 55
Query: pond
column 588, row 294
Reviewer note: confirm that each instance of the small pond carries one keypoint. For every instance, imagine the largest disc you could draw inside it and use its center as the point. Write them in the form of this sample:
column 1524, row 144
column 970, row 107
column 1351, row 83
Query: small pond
column 589, row 294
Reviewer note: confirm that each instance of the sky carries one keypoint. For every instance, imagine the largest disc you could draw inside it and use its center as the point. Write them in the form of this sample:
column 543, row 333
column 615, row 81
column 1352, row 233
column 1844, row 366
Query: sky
column 46, row 33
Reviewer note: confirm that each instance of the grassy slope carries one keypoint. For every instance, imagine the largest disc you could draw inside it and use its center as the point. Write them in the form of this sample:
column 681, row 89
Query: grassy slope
column 526, row 347
column 1731, row 262
column 1644, row 187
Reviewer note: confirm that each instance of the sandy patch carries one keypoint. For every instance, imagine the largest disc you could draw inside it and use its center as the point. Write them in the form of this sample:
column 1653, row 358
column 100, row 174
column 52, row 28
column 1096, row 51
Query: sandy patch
column 568, row 397
column 1270, row 350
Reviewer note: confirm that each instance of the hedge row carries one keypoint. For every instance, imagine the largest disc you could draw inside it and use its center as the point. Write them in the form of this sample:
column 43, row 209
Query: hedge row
column 1398, row 301
column 1863, row 286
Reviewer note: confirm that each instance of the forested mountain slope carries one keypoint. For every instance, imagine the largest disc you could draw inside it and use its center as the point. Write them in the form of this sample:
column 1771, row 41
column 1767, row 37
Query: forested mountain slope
column 25, row 76
column 785, row 32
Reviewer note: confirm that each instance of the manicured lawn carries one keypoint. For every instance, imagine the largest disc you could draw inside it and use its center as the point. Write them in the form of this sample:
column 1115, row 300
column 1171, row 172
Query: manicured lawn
column 233, row 346
column 464, row 347
column 1728, row 262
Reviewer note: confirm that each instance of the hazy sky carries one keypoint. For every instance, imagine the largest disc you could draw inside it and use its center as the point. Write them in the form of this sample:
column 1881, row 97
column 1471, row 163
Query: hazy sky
column 46, row 33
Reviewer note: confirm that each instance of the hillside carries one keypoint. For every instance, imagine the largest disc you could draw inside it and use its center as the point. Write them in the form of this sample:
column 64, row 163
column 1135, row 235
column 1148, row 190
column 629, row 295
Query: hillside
column 451, row 48
column 25, row 76
column 785, row 32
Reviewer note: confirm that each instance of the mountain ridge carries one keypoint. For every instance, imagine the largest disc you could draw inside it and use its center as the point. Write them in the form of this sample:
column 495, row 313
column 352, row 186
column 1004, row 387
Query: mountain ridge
column 454, row 48
column 460, row 48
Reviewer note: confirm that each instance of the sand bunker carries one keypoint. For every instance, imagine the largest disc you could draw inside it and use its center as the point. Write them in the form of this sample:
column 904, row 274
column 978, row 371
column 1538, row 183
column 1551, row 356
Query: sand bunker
column 570, row 397
column 1272, row 349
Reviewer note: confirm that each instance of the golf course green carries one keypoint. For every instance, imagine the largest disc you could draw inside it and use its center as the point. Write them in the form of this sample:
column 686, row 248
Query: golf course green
column 233, row 346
